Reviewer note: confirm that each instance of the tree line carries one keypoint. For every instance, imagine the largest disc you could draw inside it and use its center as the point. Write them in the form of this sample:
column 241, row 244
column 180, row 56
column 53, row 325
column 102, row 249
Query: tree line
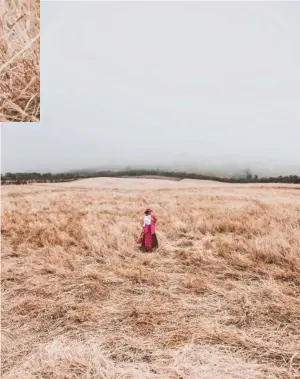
column 35, row 177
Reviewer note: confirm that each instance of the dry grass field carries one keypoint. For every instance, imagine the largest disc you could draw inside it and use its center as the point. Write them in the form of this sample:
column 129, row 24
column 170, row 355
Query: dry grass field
column 220, row 299
column 19, row 60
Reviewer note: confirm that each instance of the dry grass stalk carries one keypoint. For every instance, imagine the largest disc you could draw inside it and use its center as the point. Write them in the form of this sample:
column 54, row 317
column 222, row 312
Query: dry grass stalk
column 219, row 299
column 19, row 60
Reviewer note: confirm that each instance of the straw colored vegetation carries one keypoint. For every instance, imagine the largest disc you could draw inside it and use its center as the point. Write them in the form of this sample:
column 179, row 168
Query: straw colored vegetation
column 19, row 60
column 219, row 299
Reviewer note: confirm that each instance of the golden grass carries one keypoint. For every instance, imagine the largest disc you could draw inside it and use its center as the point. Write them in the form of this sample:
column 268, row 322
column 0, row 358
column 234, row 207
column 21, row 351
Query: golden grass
column 219, row 299
column 19, row 60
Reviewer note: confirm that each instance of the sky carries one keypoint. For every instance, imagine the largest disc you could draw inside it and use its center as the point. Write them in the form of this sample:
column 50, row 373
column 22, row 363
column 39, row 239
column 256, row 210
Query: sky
column 179, row 84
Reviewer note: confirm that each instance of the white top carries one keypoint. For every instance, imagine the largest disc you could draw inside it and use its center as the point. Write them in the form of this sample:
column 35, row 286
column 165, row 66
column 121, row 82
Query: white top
column 147, row 220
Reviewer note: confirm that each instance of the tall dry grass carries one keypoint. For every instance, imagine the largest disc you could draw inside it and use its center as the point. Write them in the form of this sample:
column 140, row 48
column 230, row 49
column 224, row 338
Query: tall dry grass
column 219, row 299
column 19, row 60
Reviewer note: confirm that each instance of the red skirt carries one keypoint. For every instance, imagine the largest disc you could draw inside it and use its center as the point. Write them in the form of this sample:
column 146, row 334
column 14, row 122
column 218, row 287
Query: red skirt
column 149, row 241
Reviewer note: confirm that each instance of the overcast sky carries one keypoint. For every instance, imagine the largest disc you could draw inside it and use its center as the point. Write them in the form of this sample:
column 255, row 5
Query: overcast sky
column 164, row 83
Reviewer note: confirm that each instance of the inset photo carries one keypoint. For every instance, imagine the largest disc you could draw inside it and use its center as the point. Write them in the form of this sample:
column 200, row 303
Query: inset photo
column 20, row 60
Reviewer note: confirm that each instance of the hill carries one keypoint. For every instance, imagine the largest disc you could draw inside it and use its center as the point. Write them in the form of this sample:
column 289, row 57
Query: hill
column 219, row 299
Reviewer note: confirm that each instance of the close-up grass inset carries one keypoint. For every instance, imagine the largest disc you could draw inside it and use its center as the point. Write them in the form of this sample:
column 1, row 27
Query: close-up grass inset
column 20, row 61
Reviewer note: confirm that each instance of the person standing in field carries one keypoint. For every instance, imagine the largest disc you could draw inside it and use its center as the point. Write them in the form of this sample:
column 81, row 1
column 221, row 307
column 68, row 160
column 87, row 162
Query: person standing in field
column 149, row 239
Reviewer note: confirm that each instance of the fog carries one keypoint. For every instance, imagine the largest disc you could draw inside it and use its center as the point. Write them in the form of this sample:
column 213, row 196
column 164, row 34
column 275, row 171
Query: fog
column 202, row 85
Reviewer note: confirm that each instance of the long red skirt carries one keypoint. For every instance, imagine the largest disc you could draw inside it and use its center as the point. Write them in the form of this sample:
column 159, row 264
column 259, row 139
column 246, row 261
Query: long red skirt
column 149, row 241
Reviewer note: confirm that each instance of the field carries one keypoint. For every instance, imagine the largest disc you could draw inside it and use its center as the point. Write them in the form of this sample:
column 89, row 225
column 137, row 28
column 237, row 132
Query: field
column 19, row 60
column 219, row 299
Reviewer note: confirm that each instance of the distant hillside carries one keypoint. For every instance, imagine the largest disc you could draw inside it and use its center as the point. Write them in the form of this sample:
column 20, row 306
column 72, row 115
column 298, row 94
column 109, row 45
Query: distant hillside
column 246, row 177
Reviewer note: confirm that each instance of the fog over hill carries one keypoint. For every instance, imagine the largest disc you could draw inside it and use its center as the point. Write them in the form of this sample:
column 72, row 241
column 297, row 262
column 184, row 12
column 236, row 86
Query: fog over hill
column 193, row 86
column 221, row 169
